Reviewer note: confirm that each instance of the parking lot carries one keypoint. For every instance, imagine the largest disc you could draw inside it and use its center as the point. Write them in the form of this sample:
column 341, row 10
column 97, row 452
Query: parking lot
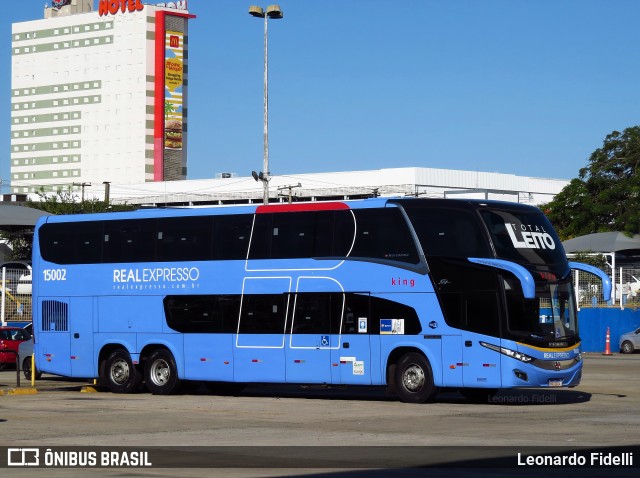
column 604, row 411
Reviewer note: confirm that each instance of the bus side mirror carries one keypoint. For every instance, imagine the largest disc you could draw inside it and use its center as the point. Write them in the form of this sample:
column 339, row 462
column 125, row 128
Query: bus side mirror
column 606, row 281
column 523, row 275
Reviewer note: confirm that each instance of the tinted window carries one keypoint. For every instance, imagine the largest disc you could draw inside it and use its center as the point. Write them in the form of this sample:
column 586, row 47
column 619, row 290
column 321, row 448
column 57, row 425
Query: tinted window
column 202, row 313
column 309, row 234
column 333, row 233
column 56, row 243
column 71, row 243
column 129, row 241
column 356, row 306
column 263, row 314
column 146, row 240
column 383, row 234
column 449, row 232
column 184, row 239
column 231, row 236
column 316, row 313
column 75, row 243
column 385, row 309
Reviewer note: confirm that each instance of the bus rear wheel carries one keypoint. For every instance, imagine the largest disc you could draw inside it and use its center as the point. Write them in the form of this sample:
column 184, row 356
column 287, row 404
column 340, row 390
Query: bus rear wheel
column 161, row 373
column 26, row 369
column 414, row 379
column 119, row 373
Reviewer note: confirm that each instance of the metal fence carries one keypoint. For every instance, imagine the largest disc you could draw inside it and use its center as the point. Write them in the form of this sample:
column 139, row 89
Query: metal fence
column 15, row 295
column 625, row 289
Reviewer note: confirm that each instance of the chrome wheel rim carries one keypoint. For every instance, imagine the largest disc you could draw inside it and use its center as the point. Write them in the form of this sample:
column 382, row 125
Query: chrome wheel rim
column 160, row 372
column 120, row 372
column 413, row 378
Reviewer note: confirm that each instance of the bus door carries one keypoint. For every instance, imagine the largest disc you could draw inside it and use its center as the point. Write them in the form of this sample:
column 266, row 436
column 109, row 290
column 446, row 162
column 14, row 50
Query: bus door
column 351, row 351
column 259, row 354
column 314, row 316
column 81, row 334
column 481, row 315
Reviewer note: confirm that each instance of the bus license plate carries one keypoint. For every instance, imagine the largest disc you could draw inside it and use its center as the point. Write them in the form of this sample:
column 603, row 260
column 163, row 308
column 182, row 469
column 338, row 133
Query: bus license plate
column 555, row 383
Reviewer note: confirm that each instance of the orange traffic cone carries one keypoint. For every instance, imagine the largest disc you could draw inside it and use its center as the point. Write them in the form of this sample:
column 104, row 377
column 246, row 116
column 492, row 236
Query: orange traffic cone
column 607, row 343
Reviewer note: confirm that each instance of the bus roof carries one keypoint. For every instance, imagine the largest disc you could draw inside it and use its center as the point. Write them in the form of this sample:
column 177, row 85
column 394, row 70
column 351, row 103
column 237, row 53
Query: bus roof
column 150, row 213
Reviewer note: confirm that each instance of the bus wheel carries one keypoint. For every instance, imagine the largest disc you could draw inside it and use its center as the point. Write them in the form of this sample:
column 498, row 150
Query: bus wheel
column 161, row 373
column 414, row 379
column 119, row 374
column 26, row 369
column 479, row 395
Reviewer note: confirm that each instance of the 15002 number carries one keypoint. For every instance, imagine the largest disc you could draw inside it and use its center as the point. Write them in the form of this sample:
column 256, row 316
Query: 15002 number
column 54, row 274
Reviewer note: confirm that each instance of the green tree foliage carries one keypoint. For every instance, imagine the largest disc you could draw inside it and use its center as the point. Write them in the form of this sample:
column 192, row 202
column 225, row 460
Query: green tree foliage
column 68, row 202
column 605, row 195
column 19, row 243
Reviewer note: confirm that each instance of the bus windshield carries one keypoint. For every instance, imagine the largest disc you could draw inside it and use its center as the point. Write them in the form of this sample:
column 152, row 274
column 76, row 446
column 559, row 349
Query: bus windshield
column 544, row 321
column 524, row 237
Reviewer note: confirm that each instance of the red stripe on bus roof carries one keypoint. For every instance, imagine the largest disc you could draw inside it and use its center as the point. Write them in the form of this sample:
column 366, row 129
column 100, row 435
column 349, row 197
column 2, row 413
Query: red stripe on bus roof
column 301, row 207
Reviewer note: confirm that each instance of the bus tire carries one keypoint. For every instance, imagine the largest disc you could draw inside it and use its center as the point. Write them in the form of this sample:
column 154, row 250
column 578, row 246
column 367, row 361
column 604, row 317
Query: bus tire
column 414, row 379
column 26, row 369
column 161, row 373
column 119, row 373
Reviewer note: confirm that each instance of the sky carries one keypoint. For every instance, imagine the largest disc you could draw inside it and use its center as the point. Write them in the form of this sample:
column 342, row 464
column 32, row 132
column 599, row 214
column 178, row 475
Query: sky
column 525, row 87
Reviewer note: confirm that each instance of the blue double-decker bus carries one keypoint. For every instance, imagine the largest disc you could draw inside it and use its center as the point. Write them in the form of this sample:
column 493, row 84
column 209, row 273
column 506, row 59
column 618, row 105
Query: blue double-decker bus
column 415, row 294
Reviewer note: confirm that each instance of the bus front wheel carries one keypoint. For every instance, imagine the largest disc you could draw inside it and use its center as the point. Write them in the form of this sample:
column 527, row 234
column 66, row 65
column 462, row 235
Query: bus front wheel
column 414, row 379
column 119, row 373
column 161, row 373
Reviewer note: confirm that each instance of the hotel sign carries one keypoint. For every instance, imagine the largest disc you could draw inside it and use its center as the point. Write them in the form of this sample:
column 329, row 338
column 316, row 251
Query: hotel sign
column 111, row 7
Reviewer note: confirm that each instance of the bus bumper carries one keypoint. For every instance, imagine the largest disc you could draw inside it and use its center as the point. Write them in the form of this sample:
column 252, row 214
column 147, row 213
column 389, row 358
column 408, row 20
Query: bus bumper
column 542, row 375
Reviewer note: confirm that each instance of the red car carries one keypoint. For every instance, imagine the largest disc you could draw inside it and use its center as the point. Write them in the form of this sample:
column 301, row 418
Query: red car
column 10, row 338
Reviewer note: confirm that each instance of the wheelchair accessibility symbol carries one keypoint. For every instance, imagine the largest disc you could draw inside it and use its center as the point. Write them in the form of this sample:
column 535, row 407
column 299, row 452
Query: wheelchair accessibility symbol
column 324, row 341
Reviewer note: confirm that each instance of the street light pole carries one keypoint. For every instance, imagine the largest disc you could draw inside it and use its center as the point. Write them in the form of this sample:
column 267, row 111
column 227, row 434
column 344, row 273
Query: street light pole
column 273, row 12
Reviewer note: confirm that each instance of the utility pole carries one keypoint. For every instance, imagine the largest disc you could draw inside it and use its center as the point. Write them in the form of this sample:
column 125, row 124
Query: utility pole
column 83, row 186
column 290, row 187
column 107, row 189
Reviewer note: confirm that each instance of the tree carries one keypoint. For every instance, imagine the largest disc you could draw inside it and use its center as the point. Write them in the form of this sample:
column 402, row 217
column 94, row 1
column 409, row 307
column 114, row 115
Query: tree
column 604, row 196
column 68, row 202
column 19, row 243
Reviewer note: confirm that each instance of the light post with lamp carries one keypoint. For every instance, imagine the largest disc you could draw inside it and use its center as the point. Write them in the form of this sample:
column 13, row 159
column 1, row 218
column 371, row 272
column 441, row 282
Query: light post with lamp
column 272, row 12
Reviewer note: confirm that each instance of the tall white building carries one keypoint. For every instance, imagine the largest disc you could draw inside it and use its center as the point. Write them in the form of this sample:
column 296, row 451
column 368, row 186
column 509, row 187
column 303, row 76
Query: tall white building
column 99, row 95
